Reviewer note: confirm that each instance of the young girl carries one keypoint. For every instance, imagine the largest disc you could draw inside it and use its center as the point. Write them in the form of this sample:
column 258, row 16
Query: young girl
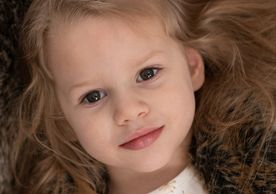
column 134, row 97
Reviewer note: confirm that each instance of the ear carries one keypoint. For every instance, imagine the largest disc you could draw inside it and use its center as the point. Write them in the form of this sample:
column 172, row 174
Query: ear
column 196, row 67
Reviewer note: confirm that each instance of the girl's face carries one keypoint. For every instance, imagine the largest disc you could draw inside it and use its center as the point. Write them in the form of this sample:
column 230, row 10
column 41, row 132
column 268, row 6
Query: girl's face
column 126, row 90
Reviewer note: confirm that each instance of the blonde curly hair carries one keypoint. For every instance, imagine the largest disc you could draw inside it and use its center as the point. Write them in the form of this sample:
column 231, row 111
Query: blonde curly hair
column 237, row 40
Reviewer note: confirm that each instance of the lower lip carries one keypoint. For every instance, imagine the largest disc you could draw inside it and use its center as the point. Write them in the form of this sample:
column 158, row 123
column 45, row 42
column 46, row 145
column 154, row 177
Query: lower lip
column 143, row 141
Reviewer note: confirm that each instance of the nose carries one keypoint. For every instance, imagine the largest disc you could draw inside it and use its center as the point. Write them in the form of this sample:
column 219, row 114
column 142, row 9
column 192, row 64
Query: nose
column 128, row 109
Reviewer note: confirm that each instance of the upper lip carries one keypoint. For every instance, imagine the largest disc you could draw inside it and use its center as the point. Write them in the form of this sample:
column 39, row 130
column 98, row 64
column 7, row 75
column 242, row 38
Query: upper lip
column 140, row 132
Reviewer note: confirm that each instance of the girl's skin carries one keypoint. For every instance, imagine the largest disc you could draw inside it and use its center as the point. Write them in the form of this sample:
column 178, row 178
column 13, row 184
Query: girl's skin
column 111, row 57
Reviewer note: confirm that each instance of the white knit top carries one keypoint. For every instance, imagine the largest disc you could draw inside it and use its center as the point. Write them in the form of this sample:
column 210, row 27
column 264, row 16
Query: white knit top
column 184, row 183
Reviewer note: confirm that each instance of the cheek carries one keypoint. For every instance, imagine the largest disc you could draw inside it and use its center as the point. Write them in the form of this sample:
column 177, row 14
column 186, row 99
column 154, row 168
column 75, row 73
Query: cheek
column 178, row 103
column 88, row 128
column 94, row 136
column 82, row 124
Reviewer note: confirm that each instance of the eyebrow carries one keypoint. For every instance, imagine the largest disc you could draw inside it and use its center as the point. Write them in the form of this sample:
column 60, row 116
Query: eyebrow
column 142, row 61
column 148, row 56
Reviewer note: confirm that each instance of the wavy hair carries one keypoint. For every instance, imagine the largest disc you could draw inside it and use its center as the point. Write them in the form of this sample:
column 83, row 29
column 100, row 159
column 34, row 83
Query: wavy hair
column 237, row 40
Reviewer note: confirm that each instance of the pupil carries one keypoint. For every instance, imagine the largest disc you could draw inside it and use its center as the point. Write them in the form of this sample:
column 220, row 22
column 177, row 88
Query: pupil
column 93, row 97
column 147, row 74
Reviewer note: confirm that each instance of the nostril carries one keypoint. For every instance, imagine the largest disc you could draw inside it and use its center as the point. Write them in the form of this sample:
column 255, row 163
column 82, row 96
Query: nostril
column 142, row 114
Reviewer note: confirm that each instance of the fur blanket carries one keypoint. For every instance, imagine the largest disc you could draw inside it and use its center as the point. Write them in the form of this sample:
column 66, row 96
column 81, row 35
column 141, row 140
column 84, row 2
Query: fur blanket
column 219, row 167
column 11, row 13
column 227, row 171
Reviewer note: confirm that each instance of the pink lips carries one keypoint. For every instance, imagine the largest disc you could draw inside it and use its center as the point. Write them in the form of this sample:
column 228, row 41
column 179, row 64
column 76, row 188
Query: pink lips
column 142, row 139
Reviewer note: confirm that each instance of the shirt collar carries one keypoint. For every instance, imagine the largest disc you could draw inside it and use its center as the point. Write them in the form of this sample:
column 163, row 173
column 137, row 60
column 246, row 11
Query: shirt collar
column 187, row 182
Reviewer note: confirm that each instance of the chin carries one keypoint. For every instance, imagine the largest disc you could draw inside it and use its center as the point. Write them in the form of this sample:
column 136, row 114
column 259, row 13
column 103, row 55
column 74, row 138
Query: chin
column 150, row 164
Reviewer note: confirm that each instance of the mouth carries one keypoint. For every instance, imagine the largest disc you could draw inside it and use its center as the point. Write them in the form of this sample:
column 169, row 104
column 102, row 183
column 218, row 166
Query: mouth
column 143, row 140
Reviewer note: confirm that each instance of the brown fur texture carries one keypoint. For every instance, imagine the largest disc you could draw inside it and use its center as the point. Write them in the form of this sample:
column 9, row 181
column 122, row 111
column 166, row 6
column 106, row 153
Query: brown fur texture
column 221, row 167
column 11, row 14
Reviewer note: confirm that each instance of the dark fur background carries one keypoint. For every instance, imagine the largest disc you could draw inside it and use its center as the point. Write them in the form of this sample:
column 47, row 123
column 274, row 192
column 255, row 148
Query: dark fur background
column 11, row 14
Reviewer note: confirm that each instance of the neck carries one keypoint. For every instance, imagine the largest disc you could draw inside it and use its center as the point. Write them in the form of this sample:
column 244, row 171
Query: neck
column 125, row 181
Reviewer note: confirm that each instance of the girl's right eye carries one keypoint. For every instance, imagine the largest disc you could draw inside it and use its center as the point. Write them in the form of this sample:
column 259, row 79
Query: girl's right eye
column 93, row 97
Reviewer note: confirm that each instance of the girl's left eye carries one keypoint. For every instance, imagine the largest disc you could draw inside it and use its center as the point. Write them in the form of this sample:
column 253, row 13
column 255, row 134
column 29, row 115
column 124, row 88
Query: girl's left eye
column 147, row 73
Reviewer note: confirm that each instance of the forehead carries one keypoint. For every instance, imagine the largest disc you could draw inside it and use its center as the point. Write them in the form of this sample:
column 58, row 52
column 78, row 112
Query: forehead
column 101, row 38
column 87, row 43
column 104, row 26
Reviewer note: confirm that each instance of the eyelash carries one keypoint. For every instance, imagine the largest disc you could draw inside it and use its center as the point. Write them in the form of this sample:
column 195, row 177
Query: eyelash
column 100, row 94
